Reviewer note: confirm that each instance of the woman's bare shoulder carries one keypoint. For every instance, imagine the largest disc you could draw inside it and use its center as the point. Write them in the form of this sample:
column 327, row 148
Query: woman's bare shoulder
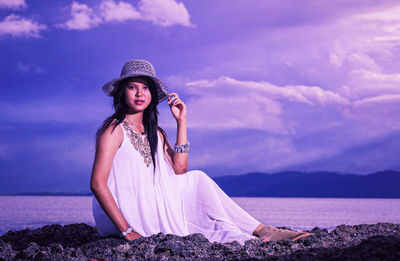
column 111, row 134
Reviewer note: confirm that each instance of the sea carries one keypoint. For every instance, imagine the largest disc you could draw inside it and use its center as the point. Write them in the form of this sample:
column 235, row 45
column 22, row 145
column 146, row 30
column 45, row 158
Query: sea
column 21, row 212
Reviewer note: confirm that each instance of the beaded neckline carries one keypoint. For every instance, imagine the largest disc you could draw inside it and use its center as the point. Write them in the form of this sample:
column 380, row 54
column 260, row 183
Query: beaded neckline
column 139, row 142
column 142, row 133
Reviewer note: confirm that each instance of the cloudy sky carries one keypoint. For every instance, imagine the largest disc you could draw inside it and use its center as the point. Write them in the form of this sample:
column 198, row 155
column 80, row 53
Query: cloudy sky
column 269, row 85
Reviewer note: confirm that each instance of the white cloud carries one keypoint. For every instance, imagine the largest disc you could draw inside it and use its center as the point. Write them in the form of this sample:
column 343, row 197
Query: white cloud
column 164, row 13
column 236, row 104
column 310, row 95
column 377, row 76
column 234, row 112
column 83, row 17
column 336, row 52
column 372, row 117
column 365, row 51
column 231, row 106
column 121, row 11
column 378, row 111
column 368, row 35
column 395, row 98
column 291, row 111
column 352, row 61
column 369, row 83
column 12, row 4
column 388, row 15
column 15, row 25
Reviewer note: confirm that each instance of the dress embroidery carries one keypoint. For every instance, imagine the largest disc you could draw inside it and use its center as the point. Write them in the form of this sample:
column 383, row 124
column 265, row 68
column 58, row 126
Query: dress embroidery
column 140, row 143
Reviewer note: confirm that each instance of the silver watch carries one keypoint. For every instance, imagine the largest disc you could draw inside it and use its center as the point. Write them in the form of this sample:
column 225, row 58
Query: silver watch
column 127, row 231
column 184, row 148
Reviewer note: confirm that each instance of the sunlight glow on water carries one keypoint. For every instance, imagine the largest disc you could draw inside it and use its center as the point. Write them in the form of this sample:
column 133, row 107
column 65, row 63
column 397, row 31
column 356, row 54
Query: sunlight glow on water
column 19, row 212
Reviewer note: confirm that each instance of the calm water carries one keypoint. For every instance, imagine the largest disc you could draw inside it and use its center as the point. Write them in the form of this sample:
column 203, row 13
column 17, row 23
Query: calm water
column 19, row 212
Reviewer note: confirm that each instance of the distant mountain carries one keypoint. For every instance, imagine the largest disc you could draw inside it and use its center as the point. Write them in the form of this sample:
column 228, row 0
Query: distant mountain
column 385, row 184
column 322, row 184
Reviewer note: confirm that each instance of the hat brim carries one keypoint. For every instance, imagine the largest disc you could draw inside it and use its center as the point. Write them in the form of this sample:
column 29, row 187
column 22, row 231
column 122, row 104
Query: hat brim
column 162, row 88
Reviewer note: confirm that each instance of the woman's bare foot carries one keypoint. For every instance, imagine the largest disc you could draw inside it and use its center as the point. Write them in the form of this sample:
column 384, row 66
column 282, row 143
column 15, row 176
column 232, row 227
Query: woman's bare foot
column 267, row 233
column 304, row 234
column 258, row 228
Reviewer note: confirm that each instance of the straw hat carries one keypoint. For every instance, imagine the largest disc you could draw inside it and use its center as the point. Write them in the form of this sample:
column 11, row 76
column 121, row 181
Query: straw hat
column 134, row 68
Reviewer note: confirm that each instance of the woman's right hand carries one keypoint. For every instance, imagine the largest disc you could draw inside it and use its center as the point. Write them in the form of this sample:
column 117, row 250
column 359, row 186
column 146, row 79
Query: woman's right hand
column 132, row 236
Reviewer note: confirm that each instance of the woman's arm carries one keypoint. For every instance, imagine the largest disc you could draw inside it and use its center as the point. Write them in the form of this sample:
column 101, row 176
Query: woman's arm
column 179, row 161
column 106, row 146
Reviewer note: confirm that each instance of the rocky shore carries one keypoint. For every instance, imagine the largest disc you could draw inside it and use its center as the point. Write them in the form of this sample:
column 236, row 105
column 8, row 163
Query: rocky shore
column 81, row 242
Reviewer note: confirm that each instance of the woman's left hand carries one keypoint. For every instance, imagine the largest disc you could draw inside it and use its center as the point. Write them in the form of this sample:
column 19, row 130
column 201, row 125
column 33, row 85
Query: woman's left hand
column 178, row 108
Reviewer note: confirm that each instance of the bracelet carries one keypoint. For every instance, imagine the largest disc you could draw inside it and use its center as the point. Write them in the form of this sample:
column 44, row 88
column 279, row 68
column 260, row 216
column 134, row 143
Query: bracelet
column 182, row 148
column 127, row 231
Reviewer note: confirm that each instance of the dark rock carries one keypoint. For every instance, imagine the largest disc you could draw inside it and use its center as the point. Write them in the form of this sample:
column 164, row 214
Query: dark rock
column 68, row 236
column 29, row 252
column 6, row 251
column 81, row 242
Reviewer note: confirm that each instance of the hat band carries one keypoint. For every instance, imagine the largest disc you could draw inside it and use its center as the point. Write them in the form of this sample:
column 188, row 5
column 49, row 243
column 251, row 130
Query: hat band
column 139, row 72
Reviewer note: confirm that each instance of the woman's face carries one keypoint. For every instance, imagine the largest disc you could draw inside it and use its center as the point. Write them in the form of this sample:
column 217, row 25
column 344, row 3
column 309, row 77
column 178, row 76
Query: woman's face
column 137, row 94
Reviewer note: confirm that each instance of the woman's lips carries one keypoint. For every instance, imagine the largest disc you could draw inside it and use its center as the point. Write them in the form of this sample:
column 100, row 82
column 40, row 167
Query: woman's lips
column 139, row 102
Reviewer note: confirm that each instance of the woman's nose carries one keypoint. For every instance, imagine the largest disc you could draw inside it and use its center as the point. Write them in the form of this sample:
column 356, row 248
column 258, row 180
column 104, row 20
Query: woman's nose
column 139, row 92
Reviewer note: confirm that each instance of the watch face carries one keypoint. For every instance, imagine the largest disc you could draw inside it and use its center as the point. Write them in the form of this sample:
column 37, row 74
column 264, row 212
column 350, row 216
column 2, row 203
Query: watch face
column 128, row 230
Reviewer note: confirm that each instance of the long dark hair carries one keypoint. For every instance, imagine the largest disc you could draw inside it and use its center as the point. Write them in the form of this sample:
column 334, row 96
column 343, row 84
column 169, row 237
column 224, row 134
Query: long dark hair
column 150, row 115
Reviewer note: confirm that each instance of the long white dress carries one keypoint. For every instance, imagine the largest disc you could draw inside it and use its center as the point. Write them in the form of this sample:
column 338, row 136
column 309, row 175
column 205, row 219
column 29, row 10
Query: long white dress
column 161, row 201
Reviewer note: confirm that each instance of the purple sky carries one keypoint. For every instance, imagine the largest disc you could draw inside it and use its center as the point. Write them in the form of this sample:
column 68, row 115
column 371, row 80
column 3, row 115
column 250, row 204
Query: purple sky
column 270, row 86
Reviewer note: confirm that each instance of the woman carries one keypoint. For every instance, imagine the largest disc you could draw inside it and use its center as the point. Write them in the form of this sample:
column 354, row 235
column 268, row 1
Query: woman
column 140, row 182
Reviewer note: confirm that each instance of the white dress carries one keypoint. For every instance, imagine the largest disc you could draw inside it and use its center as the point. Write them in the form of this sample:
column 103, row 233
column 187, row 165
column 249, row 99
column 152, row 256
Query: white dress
column 161, row 201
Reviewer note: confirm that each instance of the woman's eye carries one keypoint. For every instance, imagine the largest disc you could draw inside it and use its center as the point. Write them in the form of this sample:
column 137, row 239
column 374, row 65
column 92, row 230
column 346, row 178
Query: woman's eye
column 145, row 87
